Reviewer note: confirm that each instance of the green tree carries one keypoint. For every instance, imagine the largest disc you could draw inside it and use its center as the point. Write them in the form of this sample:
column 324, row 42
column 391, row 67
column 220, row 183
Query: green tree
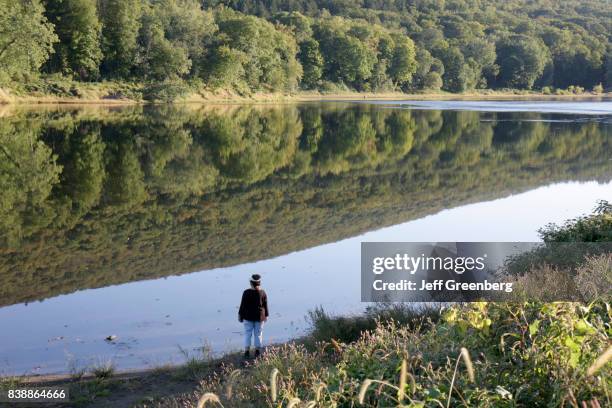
column 125, row 185
column 267, row 54
column 354, row 61
column 26, row 39
column 158, row 58
column 608, row 77
column 300, row 25
column 81, row 155
column 225, row 67
column 577, row 57
column 312, row 62
column 403, row 62
column 173, row 38
column 432, row 81
column 424, row 62
column 278, row 45
column 347, row 58
column 120, row 26
column 455, row 77
column 480, row 57
column 521, row 60
column 78, row 51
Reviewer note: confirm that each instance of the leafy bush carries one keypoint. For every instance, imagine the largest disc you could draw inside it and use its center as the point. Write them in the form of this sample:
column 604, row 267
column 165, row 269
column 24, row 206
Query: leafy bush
column 565, row 246
column 598, row 89
column 596, row 227
column 166, row 91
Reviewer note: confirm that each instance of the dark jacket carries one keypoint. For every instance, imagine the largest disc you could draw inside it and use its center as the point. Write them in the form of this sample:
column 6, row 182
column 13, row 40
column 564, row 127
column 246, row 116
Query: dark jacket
column 254, row 305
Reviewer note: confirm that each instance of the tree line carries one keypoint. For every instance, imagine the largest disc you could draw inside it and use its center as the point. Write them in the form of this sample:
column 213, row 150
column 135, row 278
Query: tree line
column 284, row 45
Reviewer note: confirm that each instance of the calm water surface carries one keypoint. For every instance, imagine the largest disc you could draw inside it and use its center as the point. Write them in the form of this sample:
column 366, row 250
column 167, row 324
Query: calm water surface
column 145, row 223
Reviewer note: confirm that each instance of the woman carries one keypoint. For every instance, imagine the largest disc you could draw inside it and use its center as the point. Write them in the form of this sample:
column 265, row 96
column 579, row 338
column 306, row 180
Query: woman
column 253, row 313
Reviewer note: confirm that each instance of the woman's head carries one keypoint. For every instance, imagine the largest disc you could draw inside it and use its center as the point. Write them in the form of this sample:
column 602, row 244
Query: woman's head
column 255, row 280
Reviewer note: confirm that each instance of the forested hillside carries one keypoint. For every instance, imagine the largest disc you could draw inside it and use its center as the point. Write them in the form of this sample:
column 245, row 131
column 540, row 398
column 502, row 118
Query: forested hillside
column 251, row 46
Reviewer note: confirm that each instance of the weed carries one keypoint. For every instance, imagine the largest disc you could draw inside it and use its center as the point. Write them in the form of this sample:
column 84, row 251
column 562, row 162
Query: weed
column 103, row 370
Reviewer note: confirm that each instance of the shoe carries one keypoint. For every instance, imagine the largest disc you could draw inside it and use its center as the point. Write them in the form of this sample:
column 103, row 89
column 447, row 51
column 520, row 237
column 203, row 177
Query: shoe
column 247, row 354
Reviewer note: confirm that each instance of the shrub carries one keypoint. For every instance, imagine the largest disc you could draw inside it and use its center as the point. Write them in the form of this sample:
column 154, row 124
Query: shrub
column 165, row 91
column 566, row 246
column 596, row 227
column 598, row 89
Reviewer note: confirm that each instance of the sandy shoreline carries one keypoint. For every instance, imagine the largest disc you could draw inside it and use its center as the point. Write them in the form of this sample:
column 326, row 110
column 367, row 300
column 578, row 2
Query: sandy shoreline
column 223, row 97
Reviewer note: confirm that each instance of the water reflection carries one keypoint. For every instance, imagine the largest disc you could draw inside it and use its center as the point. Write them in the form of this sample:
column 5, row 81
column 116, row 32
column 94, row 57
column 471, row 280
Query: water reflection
column 94, row 197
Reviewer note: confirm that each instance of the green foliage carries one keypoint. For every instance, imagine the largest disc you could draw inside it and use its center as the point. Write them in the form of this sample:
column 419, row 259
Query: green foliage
column 301, row 26
column 312, row 63
column 260, row 45
column 596, row 227
column 403, row 61
column 567, row 245
column 608, row 69
column 265, row 56
column 26, row 39
column 522, row 60
column 455, row 69
column 172, row 39
column 352, row 61
column 225, row 68
column 429, row 71
column 28, row 173
column 578, row 57
column 432, row 81
column 597, row 89
column 120, row 27
column 167, row 90
column 570, row 37
column 362, row 55
column 78, row 51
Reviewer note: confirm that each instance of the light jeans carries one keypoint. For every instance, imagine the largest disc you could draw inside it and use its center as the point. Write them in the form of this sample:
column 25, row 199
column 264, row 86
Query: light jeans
column 252, row 329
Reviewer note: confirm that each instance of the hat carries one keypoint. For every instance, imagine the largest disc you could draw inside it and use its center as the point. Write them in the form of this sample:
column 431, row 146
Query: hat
column 255, row 279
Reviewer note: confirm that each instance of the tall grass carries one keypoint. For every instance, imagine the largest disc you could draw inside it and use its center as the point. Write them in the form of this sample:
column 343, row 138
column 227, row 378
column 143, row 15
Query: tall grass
column 475, row 355
column 325, row 327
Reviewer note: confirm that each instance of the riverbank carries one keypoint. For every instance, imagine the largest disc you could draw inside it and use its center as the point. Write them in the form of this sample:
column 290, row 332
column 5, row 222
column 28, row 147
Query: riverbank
column 104, row 388
column 476, row 354
column 118, row 93
column 101, row 386
column 479, row 354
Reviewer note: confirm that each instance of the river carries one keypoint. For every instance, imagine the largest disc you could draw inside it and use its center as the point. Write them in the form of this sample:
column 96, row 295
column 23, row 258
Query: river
column 145, row 222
